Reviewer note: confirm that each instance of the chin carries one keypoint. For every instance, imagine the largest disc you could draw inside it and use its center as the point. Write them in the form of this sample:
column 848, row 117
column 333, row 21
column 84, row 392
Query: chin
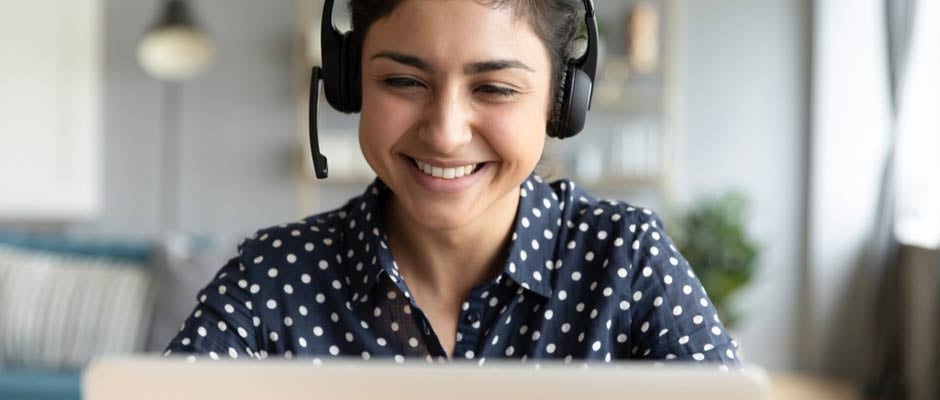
column 442, row 216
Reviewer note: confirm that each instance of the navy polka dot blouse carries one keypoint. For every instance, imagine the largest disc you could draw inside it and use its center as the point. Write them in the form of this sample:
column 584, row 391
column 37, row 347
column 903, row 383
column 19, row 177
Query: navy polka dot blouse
column 585, row 279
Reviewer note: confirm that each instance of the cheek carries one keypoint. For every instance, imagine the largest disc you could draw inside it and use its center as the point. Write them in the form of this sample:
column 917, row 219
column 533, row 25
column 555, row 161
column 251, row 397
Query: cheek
column 384, row 120
column 518, row 133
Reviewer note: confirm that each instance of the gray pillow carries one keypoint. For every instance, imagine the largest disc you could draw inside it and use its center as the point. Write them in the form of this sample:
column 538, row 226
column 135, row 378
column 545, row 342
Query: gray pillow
column 184, row 266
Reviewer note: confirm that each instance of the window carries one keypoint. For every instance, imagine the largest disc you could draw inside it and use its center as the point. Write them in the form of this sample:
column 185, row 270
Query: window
column 918, row 151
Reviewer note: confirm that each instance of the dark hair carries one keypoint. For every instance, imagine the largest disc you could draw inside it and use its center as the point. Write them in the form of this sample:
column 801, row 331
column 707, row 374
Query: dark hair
column 556, row 22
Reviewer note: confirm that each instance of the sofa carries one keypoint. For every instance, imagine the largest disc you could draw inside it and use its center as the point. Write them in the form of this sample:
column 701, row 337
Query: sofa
column 64, row 301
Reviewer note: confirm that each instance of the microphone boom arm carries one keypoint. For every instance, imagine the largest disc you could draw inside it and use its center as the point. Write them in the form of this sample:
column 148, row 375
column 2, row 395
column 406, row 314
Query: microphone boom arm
column 319, row 160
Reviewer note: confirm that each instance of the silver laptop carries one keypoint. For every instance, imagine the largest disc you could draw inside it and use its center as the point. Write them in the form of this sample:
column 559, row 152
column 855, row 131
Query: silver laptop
column 171, row 378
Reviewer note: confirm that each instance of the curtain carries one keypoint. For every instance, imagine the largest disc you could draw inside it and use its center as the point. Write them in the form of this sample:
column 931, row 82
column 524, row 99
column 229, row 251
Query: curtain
column 903, row 256
column 887, row 380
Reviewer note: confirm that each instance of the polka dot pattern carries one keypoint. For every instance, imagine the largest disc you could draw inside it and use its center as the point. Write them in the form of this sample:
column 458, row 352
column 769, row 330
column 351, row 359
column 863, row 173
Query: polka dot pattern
column 584, row 279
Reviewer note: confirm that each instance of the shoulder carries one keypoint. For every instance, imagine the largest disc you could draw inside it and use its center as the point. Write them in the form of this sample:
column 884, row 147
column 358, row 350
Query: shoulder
column 300, row 248
column 314, row 234
column 607, row 222
column 613, row 239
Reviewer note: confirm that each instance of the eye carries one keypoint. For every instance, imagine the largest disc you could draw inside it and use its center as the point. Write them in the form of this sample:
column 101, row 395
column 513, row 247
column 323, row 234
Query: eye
column 497, row 90
column 401, row 82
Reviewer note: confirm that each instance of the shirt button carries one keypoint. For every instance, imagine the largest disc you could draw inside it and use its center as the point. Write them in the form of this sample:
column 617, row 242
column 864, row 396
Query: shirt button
column 472, row 317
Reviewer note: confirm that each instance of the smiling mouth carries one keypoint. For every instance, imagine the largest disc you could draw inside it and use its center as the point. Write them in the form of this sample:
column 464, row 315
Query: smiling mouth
column 446, row 172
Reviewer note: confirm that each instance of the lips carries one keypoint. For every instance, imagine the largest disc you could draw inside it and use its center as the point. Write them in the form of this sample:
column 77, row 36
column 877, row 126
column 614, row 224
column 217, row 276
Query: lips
column 446, row 177
column 446, row 172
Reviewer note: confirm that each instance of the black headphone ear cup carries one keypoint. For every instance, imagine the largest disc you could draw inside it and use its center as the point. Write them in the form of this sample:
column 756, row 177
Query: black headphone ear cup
column 558, row 123
column 576, row 105
column 573, row 98
column 351, row 71
column 334, row 70
column 342, row 95
column 341, row 72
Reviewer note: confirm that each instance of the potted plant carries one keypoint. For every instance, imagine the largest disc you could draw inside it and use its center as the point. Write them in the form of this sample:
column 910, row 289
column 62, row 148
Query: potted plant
column 713, row 239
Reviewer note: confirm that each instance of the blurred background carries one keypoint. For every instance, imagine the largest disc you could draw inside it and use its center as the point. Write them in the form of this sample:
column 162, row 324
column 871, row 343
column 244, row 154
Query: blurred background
column 790, row 146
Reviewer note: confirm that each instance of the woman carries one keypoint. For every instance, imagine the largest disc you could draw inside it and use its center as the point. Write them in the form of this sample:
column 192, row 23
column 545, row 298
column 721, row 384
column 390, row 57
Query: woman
column 458, row 250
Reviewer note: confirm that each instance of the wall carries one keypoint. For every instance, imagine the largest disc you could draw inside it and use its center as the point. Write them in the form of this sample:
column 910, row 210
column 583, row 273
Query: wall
column 745, row 76
column 238, row 125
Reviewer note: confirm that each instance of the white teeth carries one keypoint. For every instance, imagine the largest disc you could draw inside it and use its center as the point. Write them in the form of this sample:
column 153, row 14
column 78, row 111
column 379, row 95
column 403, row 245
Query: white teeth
column 445, row 173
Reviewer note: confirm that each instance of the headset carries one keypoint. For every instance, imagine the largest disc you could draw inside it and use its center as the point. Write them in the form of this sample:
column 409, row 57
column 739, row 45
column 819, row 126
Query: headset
column 340, row 74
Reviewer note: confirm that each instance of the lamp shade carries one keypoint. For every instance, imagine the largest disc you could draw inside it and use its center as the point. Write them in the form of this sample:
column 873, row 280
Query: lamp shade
column 175, row 48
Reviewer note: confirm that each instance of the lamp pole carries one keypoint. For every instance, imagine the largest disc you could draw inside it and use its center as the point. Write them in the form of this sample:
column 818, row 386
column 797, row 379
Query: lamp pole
column 171, row 155
column 173, row 50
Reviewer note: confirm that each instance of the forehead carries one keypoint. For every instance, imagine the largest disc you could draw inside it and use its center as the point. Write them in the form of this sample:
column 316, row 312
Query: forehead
column 455, row 30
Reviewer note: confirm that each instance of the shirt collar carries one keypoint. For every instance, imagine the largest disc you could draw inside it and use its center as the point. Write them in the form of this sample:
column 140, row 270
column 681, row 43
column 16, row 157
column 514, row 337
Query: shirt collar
column 531, row 255
column 535, row 237
column 367, row 252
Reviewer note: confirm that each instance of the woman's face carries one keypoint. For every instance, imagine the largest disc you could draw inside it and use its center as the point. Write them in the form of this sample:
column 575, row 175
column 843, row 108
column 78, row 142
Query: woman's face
column 455, row 99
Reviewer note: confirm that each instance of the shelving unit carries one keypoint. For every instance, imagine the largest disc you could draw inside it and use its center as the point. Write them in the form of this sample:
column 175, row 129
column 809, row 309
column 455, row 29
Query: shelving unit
column 627, row 150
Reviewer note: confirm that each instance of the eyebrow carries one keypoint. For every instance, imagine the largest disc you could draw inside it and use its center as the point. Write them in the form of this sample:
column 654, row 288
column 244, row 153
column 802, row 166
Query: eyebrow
column 473, row 68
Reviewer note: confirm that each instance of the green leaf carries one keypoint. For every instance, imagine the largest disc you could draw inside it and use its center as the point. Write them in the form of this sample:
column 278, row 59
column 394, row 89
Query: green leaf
column 712, row 237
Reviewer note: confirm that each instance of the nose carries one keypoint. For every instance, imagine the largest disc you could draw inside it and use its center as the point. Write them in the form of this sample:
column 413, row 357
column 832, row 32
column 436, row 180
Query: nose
column 447, row 126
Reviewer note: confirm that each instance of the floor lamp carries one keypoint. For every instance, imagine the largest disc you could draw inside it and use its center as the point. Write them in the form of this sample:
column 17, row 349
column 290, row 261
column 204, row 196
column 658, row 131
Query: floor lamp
column 175, row 49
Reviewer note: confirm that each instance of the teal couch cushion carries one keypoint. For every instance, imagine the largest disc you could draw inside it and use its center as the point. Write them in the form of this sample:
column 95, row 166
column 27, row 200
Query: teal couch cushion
column 128, row 251
column 16, row 385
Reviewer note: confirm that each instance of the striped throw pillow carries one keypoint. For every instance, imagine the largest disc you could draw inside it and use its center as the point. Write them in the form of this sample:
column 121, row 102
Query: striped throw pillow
column 58, row 310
